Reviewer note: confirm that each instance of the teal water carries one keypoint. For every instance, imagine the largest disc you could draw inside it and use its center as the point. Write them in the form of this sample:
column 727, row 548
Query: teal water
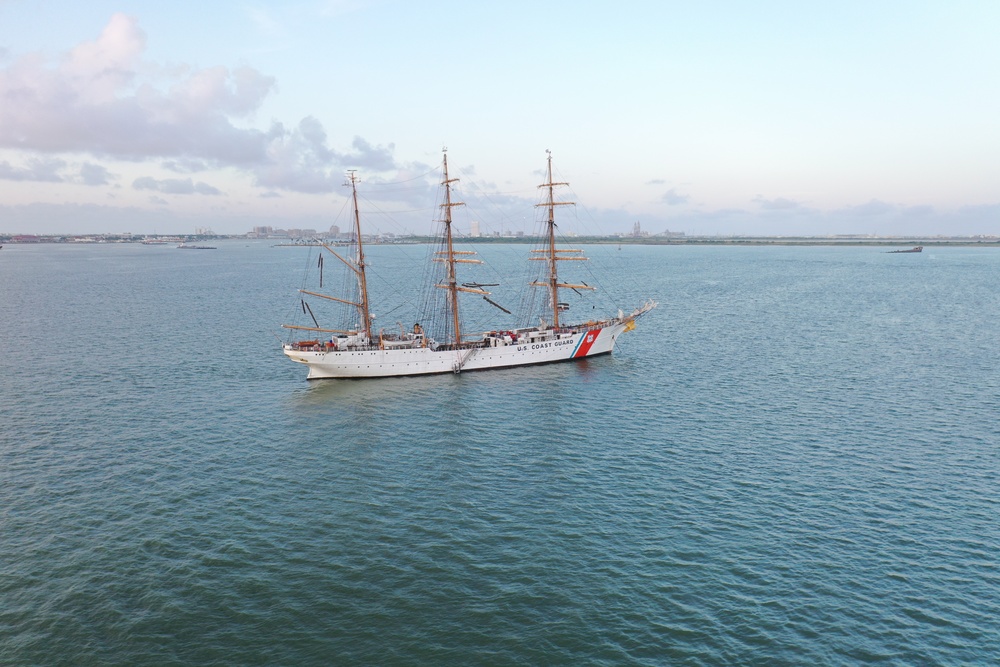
column 794, row 460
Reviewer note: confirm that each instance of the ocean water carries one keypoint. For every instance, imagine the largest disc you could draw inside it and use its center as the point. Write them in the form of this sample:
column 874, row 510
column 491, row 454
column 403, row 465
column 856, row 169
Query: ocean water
column 794, row 460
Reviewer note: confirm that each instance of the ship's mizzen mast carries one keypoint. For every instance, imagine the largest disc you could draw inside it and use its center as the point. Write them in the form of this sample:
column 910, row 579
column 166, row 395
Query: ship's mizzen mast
column 554, row 255
column 451, row 257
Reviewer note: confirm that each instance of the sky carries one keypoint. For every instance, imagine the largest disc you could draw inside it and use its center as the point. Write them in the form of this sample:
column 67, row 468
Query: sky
column 713, row 117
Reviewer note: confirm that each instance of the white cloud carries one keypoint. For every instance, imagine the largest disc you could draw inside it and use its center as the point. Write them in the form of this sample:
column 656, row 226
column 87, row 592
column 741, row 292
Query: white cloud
column 185, row 165
column 300, row 160
column 56, row 170
column 869, row 209
column 673, row 198
column 38, row 169
column 94, row 174
column 777, row 204
column 99, row 101
column 175, row 186
column 95, row 101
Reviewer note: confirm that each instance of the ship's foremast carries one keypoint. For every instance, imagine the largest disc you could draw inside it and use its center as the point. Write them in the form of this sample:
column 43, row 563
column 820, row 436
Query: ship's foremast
column 363, row 309
column 357, row 266
column 553, row 256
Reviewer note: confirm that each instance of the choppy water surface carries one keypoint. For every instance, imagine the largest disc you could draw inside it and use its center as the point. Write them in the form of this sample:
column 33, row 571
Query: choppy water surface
column 794, row 460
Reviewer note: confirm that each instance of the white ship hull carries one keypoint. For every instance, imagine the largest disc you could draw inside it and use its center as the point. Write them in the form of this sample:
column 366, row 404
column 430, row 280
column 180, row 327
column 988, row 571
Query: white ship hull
column 375, row 363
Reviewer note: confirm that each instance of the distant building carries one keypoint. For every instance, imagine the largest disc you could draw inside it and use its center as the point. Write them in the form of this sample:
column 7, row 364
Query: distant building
column 637, row 232
column 474, row 228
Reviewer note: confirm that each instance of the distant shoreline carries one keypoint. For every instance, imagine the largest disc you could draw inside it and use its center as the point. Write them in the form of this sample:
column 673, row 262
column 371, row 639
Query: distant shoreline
column 933, row 242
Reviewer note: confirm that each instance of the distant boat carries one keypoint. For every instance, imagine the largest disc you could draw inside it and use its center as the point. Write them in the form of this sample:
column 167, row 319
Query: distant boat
column 359, row 350
column 918, row 248
column 187, row 246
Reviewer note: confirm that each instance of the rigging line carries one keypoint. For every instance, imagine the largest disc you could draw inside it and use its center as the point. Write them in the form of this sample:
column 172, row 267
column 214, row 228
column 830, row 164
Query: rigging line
column 470, row 212
column 389, row 285
column 477, row 192
column 588, row 270
column 525, row 191
column 383, row 192
column 337, row 218
column 409, row 180
column 496, row 210
column 389, row 214
column 593, row 228
column 470, row 178
column 374, row 209
column 343, row 205
column 390, row 312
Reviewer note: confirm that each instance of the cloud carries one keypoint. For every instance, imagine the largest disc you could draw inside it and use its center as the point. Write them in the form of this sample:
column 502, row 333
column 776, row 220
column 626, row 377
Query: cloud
column 920, row 211
column 94, row 174
column 185, row 166
column 98, row 101
column 370, row 157
column 299, row 159
column 44, row 170
column 777, row 204
column 656, row 181
column 872, row 208
column 673, row 198
column 175, row 186
column 95, row 101
column 55, row 170
column 985, row 211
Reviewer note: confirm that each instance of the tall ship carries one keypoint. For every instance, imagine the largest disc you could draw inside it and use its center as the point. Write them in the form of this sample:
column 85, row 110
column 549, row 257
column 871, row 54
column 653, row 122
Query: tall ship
column 362, row 351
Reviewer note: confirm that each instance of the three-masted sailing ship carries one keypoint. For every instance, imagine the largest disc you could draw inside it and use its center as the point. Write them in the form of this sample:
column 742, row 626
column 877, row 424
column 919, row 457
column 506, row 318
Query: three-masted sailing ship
column 362, row 352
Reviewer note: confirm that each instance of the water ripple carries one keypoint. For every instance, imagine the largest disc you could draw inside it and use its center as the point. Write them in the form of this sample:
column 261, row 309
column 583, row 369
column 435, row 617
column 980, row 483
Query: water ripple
column 804, row 474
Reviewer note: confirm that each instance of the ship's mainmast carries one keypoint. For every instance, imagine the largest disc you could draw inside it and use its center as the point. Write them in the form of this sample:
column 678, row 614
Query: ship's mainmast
column 450, row 257
column 553, row 254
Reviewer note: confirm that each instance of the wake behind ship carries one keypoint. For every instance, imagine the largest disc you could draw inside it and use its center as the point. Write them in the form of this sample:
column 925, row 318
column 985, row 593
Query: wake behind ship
column 361, row 352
